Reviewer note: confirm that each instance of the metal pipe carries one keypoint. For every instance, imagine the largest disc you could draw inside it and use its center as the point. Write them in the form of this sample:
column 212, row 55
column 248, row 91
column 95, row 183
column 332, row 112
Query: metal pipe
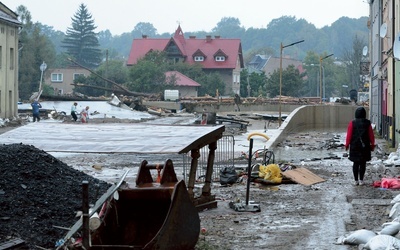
column 249, row 172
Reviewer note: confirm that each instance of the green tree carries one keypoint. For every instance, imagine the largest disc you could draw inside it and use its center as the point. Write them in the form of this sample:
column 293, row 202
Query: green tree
column 35, row 47
column 210, row 83
column 229, row 27
column 114, row 70
column 256, row 81
column 194, row 71
column 333, row 75
column 148, row 74
column 311, row 66
column 292, row 82
column 81, row 41
column 143, row 28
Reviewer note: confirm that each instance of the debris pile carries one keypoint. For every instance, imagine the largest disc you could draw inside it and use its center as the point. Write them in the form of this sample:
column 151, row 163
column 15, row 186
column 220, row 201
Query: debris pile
column 39, row 195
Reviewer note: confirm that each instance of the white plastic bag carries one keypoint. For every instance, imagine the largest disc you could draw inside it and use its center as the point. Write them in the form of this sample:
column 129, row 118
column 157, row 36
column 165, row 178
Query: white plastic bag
column 394, row 212
column 390, row 228
column 395, row 199
column 361, row 236
column 382, row 242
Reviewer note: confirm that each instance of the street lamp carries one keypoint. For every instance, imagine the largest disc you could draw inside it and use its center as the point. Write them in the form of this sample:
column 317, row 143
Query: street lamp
column 280, row 78
column 43, row 67
column 320, row 76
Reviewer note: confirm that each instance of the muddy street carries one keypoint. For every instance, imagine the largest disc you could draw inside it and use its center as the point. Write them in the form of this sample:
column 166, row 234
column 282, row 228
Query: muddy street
column 293, row 216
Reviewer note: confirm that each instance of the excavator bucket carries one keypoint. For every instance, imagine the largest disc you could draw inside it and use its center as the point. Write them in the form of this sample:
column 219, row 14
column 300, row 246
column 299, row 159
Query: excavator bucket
column 152, row 215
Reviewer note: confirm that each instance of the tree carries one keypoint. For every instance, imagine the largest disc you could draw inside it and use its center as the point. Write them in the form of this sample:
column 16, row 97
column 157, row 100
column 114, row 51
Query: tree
column 148, row 74
column 256, row 81
column 143, row 28
column 352, row 58
column 35, row 47
column 81, row 41
column 334, row 75
column 292, row 82
column 229, row 27
column 210, row 83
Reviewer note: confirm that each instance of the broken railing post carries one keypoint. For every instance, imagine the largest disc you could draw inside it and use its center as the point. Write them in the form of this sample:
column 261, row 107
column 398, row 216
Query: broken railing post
column 85, row 214
column 206, row 191
column 195, row 154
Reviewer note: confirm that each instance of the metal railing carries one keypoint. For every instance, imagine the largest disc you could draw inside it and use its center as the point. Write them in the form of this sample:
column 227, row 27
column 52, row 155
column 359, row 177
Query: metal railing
column 224, row 157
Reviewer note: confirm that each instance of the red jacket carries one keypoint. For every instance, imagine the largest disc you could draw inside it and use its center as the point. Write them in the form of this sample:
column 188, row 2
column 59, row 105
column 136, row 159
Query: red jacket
column 350, row 133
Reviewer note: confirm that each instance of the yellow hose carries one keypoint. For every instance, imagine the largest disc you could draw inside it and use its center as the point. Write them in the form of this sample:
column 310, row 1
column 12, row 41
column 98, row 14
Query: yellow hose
column 257, row 133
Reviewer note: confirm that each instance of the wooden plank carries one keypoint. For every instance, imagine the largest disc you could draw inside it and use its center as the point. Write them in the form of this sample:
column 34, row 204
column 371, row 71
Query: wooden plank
column 302, row 176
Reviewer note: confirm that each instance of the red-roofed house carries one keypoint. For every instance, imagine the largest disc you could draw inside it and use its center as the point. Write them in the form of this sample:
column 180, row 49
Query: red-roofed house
column 186, row 86
column 214, row 54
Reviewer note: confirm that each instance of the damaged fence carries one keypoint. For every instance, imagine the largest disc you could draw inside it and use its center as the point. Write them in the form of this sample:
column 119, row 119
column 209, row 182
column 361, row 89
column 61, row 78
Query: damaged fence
column 224, row 157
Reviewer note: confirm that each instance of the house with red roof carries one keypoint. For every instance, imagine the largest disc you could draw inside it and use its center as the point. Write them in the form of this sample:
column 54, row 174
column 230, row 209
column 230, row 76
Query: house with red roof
column 215, row 54
column 186, row 86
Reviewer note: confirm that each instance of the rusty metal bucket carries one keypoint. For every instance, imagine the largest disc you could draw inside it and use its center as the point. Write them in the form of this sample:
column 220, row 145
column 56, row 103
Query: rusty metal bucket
column 151, row 215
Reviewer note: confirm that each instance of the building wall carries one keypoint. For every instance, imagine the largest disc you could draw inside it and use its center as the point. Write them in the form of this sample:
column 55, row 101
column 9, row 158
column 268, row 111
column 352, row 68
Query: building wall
column 227, row 78
column 375, row 22
column 397, row 75
column 236, row 79
column 63, row 85
column 186, row 91
column 273, row 64
column 8, row 70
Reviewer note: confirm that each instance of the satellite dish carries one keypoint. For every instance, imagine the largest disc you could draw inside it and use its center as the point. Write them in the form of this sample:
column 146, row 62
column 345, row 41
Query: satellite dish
column 396, row 47
column 365, row 50
column 383, row 30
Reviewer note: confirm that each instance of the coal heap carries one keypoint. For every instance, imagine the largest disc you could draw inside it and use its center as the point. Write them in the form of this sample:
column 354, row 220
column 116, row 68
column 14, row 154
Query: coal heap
column 39, row 194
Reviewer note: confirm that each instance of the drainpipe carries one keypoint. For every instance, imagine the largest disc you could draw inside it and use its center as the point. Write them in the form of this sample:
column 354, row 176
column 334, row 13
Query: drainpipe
column 393, row 77
column 380, row 122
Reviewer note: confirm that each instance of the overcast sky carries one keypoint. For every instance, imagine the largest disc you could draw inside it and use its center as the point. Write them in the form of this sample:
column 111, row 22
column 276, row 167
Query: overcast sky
column 121, row 16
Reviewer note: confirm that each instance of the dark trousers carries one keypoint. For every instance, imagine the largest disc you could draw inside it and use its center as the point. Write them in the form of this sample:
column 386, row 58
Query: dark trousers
column 359, row 170
column 73, row 114
column 36, row 117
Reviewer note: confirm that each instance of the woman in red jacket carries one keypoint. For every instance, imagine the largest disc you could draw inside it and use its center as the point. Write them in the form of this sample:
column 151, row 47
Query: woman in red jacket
column 361, row 141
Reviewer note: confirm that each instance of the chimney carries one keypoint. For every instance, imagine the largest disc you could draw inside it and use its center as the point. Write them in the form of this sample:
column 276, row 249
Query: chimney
column 217, row 37
column 208, row 38
column 192, row 37
column 144, row 36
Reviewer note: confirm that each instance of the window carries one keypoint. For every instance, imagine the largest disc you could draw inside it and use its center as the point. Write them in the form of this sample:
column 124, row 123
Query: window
column 220, row 58
column 76, row 75
column 56, row 77
column 199, row 58
column 1, row 57
column 11, row 58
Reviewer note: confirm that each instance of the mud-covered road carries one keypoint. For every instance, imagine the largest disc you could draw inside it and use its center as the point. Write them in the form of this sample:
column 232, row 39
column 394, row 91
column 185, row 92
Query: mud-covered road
column 293, row 216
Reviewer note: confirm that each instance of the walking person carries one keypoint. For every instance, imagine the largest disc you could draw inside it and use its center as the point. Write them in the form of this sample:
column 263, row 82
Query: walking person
column 73, row 111
column 360, row 140
column 237, row 102
column 85, row 115
column 35, row 110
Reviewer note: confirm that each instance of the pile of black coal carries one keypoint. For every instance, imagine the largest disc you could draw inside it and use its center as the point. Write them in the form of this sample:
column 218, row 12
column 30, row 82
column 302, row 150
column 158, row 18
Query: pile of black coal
column 39, row 196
